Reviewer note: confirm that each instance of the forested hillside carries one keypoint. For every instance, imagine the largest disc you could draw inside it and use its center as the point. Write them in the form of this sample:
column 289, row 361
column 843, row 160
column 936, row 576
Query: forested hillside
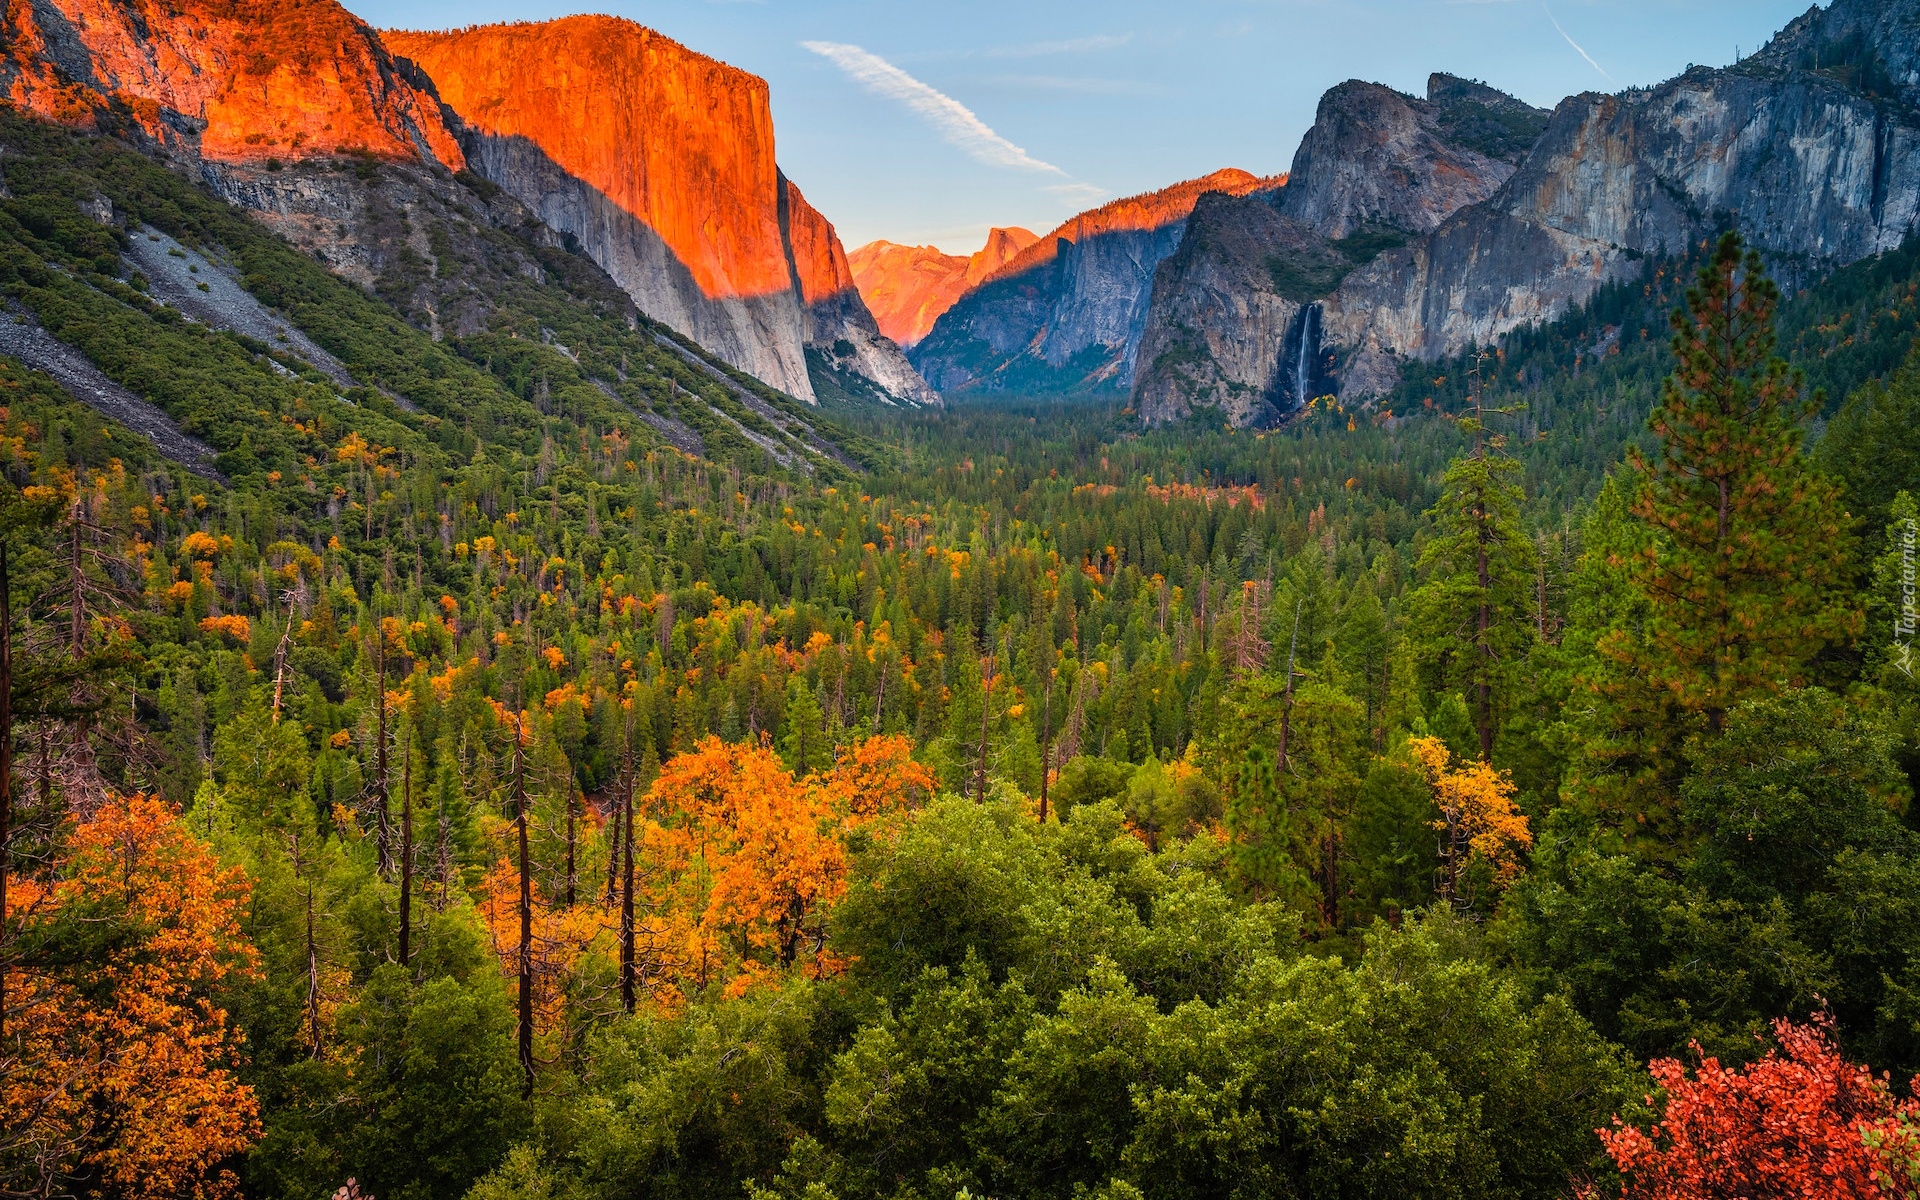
column 535, row 761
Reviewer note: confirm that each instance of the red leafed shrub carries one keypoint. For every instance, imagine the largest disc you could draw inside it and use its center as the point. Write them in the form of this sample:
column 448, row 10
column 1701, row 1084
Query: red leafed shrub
column 1802, row 1123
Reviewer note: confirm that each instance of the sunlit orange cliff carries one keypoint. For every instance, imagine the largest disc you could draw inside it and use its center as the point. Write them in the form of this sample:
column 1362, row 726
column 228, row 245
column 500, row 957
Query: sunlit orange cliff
column 908, row 287
column 660, row 161
column 235, row 81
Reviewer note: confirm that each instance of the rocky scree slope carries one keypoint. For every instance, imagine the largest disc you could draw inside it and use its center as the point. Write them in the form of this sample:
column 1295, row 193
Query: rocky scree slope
column 1067, row 313
column 1235, row 324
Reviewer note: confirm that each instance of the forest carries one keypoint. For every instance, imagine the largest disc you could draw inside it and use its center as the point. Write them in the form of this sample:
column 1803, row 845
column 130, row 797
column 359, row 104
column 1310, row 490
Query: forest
column 1504, row 789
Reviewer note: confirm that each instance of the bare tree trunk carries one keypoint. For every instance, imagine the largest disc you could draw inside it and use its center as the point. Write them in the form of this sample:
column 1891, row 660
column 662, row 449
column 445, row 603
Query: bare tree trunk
column 626, row 887
column 986, row 709
column 406, row 849
column 613, row 841
column 313, row 983
column 280, row 660
column 1046, row 731
column 382, row 831
column 572, row 873
column 526, row 908
column 6, row 765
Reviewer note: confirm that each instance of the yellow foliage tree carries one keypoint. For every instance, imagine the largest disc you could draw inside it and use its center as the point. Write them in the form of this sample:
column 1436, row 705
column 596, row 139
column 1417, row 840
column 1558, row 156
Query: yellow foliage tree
column 1478, row 823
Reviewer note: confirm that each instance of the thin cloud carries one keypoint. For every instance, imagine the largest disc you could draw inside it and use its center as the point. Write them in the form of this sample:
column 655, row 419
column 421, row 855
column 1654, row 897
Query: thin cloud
column 954, row 120
column 1085, row 86
column 1576, row 45
column 1081, row 45
column 1076, row 191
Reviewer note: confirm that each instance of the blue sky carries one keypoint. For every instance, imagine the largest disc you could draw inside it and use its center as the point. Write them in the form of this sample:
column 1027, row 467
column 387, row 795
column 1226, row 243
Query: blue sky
column 930, row 122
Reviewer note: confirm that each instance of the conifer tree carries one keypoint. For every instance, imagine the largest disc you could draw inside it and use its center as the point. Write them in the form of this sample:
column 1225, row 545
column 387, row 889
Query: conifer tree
column 1473, row 614
column 1739, row 549
column 804, row 745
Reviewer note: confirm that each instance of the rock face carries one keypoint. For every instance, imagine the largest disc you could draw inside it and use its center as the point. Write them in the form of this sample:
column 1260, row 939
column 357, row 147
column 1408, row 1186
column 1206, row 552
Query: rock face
column 1067, row 313
column 660, row 163
column 1377, row 158
column 231, row 81
column 1221, row 334
column 908, row 287
column 1811, row 148
column 834, row 319
column 1236, row 320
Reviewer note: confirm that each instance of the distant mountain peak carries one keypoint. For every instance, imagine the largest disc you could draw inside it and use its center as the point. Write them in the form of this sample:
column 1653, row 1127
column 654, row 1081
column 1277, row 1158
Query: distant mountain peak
column 908, row 287
column 1066, row 312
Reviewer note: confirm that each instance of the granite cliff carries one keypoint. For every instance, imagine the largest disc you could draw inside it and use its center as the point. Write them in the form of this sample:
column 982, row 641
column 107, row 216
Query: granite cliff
column 1447, row 223
column 908, row 287
column 659, row 163
column 655, row 162
column 224, row 81
column 840, row 334
column 1067, row 312
column 1235, row 321
column 1811, row 148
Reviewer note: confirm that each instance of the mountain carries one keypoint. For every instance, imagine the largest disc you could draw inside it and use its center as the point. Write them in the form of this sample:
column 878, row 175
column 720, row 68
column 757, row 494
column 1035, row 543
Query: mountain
column 1451, row 222
column 908, row 287
column 445, row 304
column 1067, row 312
column 1233, row 324
column 222, row 81
column 659, row 162
column 656, row 162
column 1812, row 147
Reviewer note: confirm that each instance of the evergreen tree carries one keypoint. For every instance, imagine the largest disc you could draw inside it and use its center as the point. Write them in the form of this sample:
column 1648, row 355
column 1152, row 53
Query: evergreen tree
column 1735, row 558
column 1742, row 548
column 1472, row 616
column 803, row 741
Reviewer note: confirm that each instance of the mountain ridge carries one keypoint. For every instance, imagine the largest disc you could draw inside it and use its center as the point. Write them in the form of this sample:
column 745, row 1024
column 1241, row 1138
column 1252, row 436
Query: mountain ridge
column 908, row 287
column 661, row 162
column 1067, row 312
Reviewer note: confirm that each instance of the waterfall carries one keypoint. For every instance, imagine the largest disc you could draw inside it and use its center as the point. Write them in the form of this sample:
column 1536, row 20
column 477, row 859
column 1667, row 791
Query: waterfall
column 1303, row 359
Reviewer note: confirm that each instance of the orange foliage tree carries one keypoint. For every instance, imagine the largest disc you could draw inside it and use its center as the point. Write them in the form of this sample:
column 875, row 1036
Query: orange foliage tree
column 117, row 1075
column 1801, row 1123
column 1478, row 824
column 738, row 864
column 745, row 861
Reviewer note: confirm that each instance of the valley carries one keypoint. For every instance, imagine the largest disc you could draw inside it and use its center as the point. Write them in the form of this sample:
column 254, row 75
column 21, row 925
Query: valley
column 528, row 669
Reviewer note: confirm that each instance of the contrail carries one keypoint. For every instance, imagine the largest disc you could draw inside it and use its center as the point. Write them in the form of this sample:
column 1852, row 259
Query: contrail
column 1576, row 45
column 954, row 120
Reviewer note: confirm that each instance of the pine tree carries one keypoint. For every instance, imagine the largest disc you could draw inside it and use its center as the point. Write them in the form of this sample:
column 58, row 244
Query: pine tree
column 1740, row 544
column 803, row 744
column 1739, row 548
column 1473, row 615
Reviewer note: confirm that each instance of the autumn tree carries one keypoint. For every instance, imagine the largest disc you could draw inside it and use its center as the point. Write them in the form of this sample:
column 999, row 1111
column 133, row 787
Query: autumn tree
column 1800, row 1122
column 1482, row 834
column 120, row 1077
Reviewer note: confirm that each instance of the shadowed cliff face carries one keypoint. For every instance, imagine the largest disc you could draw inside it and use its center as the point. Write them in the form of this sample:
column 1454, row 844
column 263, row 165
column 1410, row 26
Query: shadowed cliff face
column 233, row 81
column 837, row 326
column 908, row 287
column 1812, row 148
column 660, row 163
column 1236, row 321
column 1375, row 157
column 1067, row 313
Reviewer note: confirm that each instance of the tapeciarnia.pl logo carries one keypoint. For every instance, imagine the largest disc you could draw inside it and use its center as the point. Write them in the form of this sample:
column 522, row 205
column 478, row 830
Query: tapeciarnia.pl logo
column 1904, row 622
